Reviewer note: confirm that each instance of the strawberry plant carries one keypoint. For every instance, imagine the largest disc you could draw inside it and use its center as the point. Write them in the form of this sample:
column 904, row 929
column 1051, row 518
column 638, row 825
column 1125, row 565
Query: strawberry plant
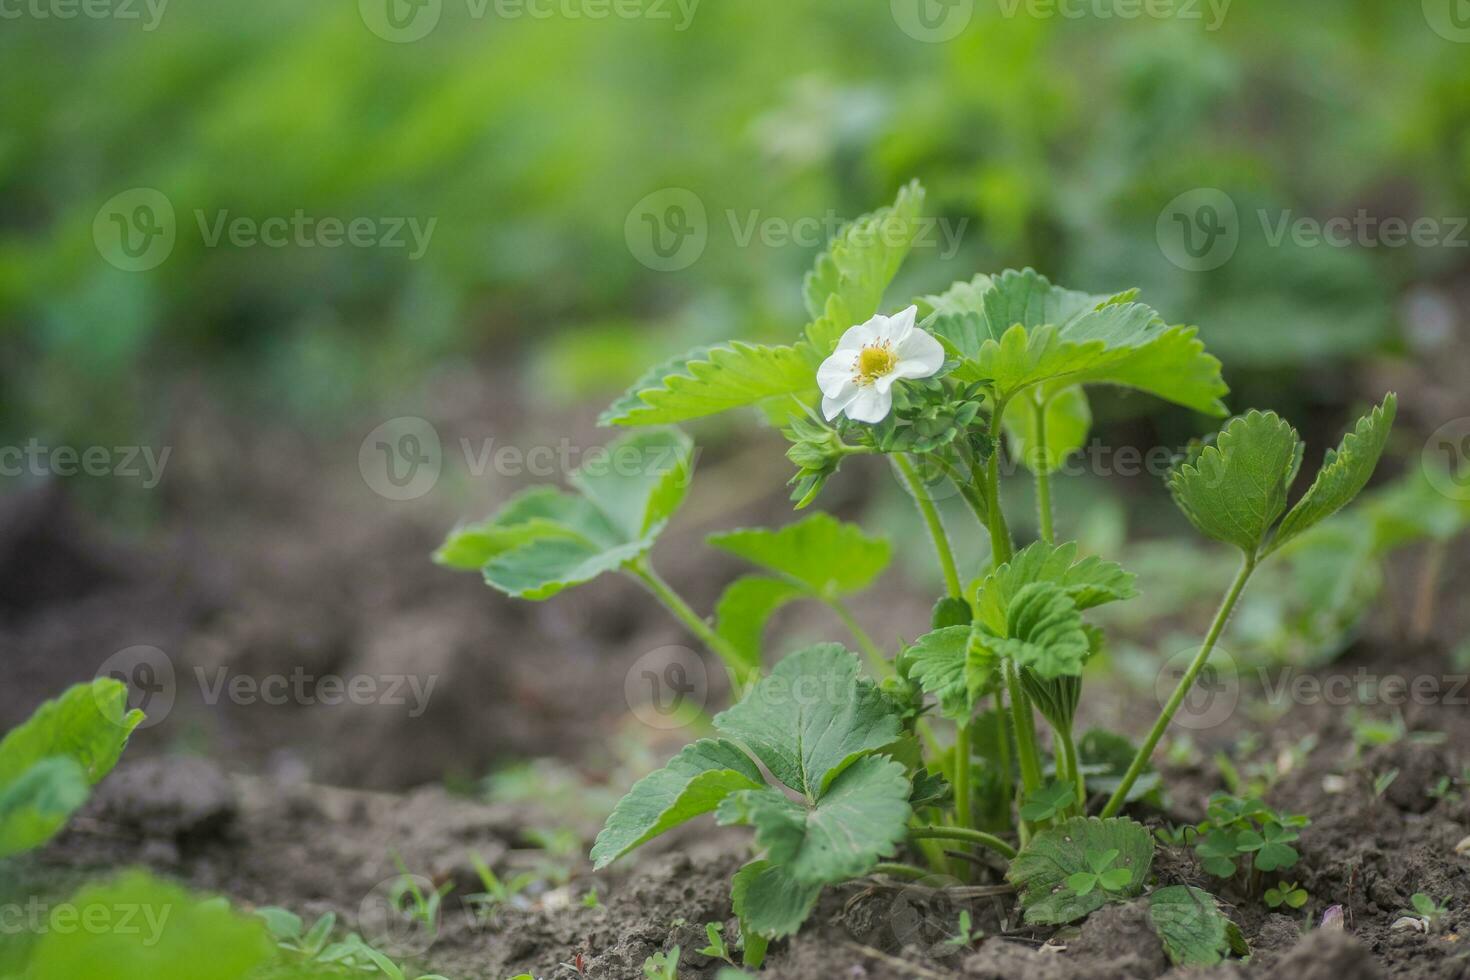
column 841, row 775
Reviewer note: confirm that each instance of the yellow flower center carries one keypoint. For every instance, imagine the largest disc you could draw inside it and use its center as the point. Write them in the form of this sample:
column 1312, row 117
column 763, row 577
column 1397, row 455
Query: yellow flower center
column 874, row 362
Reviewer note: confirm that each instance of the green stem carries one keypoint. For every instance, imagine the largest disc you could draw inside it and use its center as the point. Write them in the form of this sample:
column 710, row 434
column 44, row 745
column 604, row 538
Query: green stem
column 897, row 869
column 878, row 663
column 1073, row 770
column 1001, row 548
column 1043, row 476
column 741, row 673
column 976, row 837
column 1024, row 723
column 930, row 514
column 1146, row 750
column 962, row 812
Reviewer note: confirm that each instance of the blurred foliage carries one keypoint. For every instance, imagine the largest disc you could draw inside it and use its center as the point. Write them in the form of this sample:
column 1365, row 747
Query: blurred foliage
column 1056, row 141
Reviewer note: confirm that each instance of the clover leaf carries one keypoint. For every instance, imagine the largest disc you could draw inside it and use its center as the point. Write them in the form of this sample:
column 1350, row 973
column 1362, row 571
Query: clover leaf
column 1046, row 865
column 1048, row 801
column 1272, row 846
column 1100, row 873
column 546, row 540
column 1217, row 851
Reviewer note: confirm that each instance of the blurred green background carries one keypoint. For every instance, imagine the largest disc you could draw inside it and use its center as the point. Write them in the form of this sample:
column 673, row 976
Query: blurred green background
column 528, row 132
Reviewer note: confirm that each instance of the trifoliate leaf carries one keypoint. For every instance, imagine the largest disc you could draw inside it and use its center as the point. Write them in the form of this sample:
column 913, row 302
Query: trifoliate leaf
column 811, row 718
column 1043, row 632
column 1089, row 582
column 1344, row 473
column 1048, row 801
column 713, row 380
column 1041, row 870
column 1234, row 490
column 546, row 540
column 155, row 931
column 769, row 902
column 694, row 782
column 846, row 285
column 826, row 555
column 938, row 664
column 1193, row 928
column 49, row 764
column 1028, row 332
column 862, row 816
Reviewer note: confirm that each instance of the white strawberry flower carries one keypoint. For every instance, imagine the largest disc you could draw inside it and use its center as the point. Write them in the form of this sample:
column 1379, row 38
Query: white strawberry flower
column 857, row 380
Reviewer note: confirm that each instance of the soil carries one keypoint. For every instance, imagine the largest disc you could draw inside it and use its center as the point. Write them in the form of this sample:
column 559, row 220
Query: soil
column 314, row 807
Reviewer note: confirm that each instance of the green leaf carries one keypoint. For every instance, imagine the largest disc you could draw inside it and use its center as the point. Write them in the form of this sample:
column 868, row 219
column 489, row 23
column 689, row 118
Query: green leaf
column 49, row 764
column 170, row 935
column 35, row 807
column 1068, row 421
column 1344, row 473
column 846, row 285
column 950, row 611
column 1089, row 581
column 811, row 718
column 715, row 379
column 938, row 663
column 1027, row 332
column 1041, row 870
column 694, row 782
column 862, row 816
column 1192, row 927
column 828, row 556
column 1044, row 632
column 545, row 540
column 640, row 482
column 1234, row 490
column 769, row 902
column 745, row 607
column 1049, row 800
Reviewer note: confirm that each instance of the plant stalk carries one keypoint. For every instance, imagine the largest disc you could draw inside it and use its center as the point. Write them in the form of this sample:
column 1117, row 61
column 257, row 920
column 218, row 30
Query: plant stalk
column 1181, row 690
column 878, row 663
column 962, row 812
column 976, row 837
column 930, row 513
column 1043, row 477
column 741, row 673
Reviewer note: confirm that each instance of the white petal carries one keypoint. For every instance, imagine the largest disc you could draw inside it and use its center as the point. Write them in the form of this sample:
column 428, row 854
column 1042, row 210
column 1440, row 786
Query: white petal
column 871, row 405
column 833, row 405
column 894, row 329
column 919, row 356
column 835, row 372
column 858, row 337
column 902, row 322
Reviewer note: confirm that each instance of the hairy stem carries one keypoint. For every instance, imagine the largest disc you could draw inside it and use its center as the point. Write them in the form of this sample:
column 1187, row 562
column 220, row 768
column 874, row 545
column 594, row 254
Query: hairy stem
column 1024, row 724
column 930, row 513
column 1069, row 767
column 878, row 663
column 976, row 837
column 962, row 812
column 1181, row 690
column 742, row 674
